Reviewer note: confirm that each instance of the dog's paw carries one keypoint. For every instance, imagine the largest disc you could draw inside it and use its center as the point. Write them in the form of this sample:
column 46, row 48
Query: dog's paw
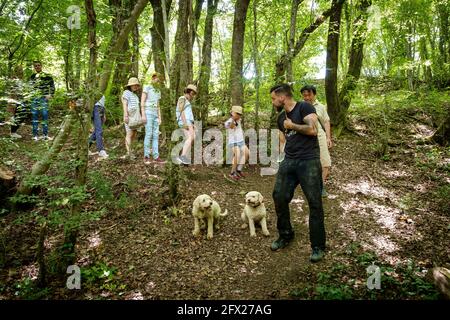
column 209, row 236
column 244, row 226
column 266, row 233
column 195, row 233
column 252, row 234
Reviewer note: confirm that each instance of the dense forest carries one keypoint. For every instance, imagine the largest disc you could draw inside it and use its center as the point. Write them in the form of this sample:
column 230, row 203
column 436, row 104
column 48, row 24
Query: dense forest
column 80, row 224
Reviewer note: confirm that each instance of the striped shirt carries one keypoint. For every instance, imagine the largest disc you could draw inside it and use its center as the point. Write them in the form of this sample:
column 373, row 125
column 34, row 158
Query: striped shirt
column 132, row 100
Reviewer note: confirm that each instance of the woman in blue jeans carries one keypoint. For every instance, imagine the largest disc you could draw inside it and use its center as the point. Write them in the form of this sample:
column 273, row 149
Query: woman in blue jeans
column 99, row 118
column 150, row 100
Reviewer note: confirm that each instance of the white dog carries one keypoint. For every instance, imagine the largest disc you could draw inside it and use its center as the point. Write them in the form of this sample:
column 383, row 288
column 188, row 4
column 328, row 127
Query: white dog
column 254, row 211
column 205, row 209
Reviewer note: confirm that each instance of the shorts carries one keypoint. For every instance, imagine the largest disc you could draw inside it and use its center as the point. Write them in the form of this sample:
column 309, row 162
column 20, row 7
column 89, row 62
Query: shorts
column 190, row 123
column 237, row 144
column 325, row 159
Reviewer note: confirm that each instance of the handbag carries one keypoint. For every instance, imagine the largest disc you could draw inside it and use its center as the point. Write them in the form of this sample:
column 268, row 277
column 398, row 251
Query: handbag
column 135, row 119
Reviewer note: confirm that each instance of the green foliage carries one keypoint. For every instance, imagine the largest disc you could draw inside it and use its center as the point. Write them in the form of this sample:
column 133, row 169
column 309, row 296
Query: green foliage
column 101, row 276
column 26, row 289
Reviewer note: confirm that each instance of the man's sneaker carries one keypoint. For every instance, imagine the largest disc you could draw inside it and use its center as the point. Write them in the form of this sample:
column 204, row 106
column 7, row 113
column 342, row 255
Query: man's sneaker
column 35, row 138
column 47, row 138
column 317, row 255
column 147, row 160
column 234, row 176
column 324, row 193
column 159, row 160
column 15, row 135
column 103, row 155
column 278, row 244
column 281, row 157
column 184, row 160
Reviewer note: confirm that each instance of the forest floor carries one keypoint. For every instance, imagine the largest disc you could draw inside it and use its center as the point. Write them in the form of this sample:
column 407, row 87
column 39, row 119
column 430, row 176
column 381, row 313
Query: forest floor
column 391, row 210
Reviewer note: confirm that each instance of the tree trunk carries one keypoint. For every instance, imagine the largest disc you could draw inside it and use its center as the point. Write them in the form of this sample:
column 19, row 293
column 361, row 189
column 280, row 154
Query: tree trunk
column 116, row 45
column 43, row 165
column 195, row 19
column 237, row 52
column 292, row 28
column 181, row 68
column 283, row 61
column 205, row 67
column 355, row 63
column 158, row 32
column 256, row 62
column 332, row 62
column 135, row 55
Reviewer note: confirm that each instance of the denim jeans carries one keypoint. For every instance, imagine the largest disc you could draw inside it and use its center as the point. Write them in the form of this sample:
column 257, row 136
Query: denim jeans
column 97, row 117
column 39, row 106
column 151, row 133
column 307, row 173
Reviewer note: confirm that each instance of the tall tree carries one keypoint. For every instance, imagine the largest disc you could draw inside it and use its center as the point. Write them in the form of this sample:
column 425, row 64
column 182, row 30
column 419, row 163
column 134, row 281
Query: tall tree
column 291, row 42
column 285, row 59
column 237, row 52
column 355, row 62
column 205, row 67
column 332, row 61
column 255, row 54
column 181, row 68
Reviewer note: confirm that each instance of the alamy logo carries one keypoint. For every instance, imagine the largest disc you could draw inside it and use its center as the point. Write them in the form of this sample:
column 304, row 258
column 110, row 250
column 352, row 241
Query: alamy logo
column 73, row 22
column 74, row 281
column 374, row 280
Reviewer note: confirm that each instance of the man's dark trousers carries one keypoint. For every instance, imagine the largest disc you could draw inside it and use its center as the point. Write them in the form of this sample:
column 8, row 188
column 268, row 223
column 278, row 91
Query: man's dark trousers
column 307, row 173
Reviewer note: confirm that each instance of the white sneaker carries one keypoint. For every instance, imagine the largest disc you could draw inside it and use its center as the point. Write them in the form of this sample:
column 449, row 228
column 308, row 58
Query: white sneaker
column 35, row 138
column 47, row 138
column 16, row 135
column 102, row 154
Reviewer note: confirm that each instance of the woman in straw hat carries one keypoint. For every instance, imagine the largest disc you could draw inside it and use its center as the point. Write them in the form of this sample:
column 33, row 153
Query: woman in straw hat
column 130, row 102
column 185, row 119
column 236, row 142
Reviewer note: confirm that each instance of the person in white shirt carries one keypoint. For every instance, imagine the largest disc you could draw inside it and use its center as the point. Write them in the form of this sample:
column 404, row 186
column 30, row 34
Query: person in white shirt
column 236, row 142
column 151, row 96
column 130, row 102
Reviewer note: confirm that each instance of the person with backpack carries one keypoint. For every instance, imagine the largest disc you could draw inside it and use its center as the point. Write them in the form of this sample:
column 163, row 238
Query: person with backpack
column 185, row 120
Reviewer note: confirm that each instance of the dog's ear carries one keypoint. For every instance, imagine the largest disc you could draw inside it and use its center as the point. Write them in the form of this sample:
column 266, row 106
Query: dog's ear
column 261, row 198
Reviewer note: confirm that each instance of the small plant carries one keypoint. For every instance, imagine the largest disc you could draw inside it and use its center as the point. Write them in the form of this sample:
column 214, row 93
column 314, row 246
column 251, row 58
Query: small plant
column 26, row 289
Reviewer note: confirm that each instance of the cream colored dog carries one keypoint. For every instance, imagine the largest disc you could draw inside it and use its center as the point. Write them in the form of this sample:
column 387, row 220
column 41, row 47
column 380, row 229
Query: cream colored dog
column 254, row 211
column 206, row 210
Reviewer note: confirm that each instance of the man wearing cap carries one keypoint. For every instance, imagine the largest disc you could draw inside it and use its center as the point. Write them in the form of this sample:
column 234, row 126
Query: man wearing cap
column 185, row 120
column 130, row 102
column 151, row 96
column 44, row 87
column 236, row 142
column 300, row 166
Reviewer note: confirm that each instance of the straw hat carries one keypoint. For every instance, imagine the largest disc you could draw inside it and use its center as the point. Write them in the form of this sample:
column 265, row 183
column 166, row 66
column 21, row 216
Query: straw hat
column 192, row 87
column 133, row 81
column 237, row 109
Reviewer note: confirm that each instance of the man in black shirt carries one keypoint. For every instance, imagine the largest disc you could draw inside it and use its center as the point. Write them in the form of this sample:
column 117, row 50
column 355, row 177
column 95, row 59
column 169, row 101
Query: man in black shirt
column 300, row 166
column 44, row 88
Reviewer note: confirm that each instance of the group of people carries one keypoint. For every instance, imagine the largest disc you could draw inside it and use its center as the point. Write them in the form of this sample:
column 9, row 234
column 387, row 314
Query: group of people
column 305, row 138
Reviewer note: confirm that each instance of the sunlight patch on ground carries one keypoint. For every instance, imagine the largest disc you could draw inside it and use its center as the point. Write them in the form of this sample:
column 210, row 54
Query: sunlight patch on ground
column 30, row 271
column 298, row 203
column 385, row 216
column 369, row 189
column 396, row 174
column 422, row 131
column 94, row 240
column 134, row 296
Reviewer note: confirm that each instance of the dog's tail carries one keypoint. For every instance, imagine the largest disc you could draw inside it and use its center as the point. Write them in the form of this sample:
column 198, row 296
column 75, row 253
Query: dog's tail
column 223, row 214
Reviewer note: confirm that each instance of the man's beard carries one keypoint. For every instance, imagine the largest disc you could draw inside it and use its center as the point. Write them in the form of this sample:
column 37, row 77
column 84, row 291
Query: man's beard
column 279, row 108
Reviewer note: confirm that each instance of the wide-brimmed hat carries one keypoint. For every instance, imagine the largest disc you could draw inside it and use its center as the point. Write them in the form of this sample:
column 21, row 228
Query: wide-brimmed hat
column 237, row 109
column 192, row 87
column 133, row 81
column 156, row 74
